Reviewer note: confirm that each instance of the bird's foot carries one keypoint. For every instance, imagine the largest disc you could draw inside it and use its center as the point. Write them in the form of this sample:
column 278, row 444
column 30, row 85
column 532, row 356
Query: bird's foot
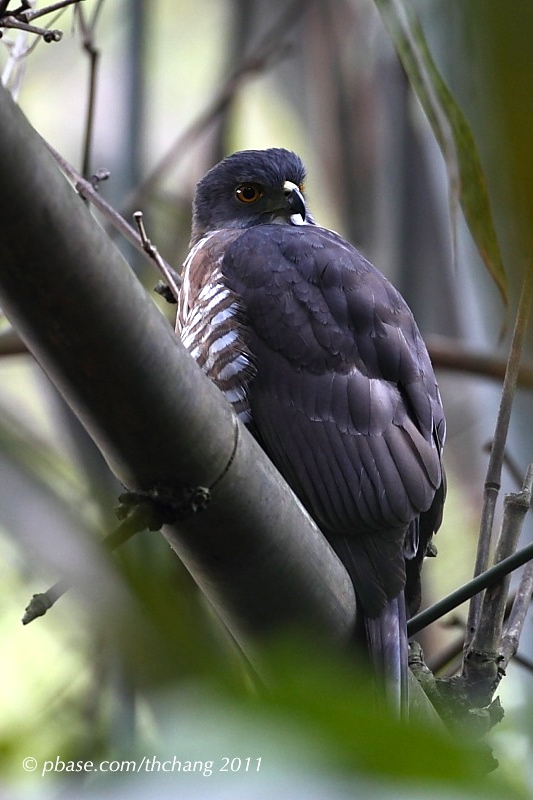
column 164, row 504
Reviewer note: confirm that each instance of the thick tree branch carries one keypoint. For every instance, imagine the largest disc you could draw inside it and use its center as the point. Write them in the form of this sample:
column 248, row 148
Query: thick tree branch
column 157, row 419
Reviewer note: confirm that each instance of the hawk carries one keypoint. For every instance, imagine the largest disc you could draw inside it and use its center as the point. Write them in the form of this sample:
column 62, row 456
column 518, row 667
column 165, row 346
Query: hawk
column 321, row 358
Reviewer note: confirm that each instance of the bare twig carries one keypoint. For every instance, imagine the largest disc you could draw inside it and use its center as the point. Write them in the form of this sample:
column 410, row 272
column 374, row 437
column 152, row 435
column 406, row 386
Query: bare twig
column 19, row 50
column 483, row 661
column 494, row 469
column 488, row 634
column 22, row 17
column 139, row 517
column 34, row 13
column 87, row 38
column 469, row 590
column 513, row 629
column 41, row 602
column 87, row 190
column 47, row 34
column 172, row 279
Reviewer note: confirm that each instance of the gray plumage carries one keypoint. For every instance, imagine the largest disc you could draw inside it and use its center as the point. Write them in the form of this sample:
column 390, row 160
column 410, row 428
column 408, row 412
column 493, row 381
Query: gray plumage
column 322, row 358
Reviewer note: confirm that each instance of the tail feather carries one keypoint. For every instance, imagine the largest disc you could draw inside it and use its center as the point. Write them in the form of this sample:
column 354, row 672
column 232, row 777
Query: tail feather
column 387, row 643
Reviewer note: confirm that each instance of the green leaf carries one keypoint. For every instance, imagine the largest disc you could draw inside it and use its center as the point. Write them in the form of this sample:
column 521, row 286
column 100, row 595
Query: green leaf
column 465, row 174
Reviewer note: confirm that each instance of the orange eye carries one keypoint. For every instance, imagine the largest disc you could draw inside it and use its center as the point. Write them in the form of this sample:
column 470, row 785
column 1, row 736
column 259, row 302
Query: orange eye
column 248, row 193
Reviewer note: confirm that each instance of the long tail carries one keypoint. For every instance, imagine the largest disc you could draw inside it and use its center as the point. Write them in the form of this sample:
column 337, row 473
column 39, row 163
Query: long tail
column 387, row 643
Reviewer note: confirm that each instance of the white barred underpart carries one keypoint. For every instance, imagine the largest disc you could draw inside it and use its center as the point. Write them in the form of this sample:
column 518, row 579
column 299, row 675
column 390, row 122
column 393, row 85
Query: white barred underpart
column 209, row 330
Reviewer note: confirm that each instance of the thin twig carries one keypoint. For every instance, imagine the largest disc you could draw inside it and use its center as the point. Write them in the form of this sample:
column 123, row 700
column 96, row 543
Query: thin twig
column 41, row 602
column 30, row 13
column 172, row 279
column 139, row 517
column 138, row 511
column 47, row 34
column 469, row 590
column 488, row 633
column 87, row 38
column 494, row 469
column 19, row 51
column 87, row 190
column 513, row 629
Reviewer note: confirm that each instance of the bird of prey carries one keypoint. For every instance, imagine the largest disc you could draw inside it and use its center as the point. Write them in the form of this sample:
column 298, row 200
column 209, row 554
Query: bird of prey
column 321, row 358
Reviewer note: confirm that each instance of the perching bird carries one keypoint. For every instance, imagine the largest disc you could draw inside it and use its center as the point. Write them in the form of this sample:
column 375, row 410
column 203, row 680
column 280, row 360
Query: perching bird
column 321, row 357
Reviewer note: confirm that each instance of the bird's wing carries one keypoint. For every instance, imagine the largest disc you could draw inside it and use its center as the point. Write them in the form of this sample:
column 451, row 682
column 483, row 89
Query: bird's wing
column 344, row 398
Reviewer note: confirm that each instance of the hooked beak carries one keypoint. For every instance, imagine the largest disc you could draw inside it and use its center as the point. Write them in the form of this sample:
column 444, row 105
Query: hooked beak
column 295, row 203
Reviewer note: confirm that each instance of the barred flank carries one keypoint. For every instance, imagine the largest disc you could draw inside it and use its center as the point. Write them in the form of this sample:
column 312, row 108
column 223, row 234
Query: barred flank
column 210, row 330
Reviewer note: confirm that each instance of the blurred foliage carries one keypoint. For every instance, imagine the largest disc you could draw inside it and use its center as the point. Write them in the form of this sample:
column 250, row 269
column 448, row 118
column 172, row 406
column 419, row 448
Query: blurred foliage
column 504, row 53
column 452, row 132
column 131, row 662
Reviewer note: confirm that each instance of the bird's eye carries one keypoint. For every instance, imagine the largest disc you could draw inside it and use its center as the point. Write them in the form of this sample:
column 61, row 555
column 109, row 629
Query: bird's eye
column 248, row 193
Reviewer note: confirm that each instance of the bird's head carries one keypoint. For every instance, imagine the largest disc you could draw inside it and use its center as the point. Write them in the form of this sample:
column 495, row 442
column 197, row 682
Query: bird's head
column 248, row 188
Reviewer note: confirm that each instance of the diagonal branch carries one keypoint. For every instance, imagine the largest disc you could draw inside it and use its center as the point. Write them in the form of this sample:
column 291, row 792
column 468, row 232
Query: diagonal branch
column 488, row 578
column 88, row 191
column 159, row 422
column 29, row 14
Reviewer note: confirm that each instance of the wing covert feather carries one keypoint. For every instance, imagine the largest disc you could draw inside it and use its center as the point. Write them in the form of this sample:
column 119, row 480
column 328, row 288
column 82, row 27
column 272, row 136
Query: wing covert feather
column 344, row 398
